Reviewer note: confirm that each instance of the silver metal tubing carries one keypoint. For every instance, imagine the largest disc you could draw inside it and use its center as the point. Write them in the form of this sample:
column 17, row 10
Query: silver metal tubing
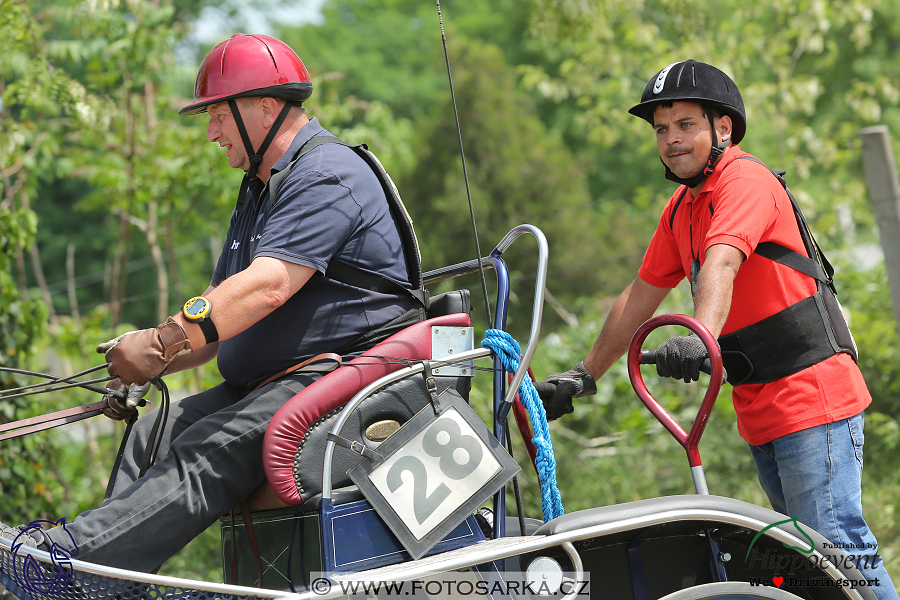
column 538, row 310
column 471, row 266
column 700, row 480
column 569, row 547
column 505, row 547
column 371, row 389
column 470, row 555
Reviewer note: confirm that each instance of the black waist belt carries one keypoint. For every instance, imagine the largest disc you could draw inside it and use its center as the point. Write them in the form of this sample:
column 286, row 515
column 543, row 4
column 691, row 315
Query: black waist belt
column 785, row 343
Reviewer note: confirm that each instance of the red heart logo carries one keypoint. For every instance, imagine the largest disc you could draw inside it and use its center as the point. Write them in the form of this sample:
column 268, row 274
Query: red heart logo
column 778, row 581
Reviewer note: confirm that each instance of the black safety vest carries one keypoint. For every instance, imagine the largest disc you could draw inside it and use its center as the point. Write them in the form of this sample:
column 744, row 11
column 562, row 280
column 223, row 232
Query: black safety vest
column 349, row 274
column 799, row 336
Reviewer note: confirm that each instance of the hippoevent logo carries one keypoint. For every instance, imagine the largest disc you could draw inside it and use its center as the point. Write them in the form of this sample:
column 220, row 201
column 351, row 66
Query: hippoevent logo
column 812, row 545
column 40, row 578
column 785, row 565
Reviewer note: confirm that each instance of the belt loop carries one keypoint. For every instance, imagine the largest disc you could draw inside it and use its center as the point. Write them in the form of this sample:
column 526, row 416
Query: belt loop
column 431, row 386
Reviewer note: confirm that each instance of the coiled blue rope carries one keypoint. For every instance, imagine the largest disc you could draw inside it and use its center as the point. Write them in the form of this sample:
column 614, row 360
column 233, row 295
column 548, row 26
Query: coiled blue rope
column 509, row 352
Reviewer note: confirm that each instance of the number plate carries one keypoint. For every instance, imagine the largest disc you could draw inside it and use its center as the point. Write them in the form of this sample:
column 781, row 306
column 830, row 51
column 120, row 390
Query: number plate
column 437, row 470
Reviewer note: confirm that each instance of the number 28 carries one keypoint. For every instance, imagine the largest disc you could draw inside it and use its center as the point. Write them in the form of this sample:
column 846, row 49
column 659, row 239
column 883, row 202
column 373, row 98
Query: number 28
column 425, row 504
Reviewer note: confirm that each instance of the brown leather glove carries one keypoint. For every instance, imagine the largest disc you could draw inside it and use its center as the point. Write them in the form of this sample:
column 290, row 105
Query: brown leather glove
column 139, row 356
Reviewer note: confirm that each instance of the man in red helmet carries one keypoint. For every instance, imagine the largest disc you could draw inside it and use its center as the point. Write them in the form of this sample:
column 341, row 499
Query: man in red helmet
column 731, row 228
column 312, row 226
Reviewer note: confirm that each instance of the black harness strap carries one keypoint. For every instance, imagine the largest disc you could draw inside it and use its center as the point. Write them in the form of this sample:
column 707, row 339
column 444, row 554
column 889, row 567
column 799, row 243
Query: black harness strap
column 349, row 274
column 255, row 156
column 675, row 210
column 115, row 470
column 799, row 336
column 794, row 260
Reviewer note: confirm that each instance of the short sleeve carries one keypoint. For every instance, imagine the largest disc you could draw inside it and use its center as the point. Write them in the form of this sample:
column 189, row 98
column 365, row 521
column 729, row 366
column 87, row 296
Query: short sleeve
column 662, row 266
column 314, row 216
column 744, row 211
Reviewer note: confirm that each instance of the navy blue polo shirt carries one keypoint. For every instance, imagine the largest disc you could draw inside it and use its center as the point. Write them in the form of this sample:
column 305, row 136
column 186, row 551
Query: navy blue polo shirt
column 331, row 206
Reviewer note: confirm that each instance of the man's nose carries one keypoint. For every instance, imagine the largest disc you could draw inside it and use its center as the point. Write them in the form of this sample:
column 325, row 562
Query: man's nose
column 673, row 136
column 213, row 132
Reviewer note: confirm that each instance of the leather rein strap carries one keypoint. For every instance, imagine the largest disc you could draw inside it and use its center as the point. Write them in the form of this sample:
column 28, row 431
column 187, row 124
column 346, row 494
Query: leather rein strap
column 50, row 420
column 332, row 360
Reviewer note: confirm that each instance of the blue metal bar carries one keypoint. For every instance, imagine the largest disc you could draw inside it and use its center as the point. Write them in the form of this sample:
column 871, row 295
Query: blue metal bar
column 500, row 314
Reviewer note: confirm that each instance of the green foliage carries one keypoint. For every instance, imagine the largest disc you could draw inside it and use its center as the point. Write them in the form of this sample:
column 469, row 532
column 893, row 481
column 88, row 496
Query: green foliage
column 28, row 89
column 22, row 321
column 387, row 50
column 868, row 304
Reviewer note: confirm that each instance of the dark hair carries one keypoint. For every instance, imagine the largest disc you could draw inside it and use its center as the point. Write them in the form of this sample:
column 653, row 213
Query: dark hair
column 717, row 113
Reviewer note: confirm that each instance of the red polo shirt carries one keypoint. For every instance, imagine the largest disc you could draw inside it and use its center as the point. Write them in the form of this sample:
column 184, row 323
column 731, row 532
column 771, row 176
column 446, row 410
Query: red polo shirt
column 742, row 204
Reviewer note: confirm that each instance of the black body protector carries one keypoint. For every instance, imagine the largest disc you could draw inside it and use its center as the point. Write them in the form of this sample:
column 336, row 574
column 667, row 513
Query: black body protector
column 349, row 274
column 801, row 335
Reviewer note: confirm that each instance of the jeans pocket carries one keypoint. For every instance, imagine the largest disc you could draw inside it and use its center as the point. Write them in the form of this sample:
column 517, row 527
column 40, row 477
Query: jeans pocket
column 855, row 425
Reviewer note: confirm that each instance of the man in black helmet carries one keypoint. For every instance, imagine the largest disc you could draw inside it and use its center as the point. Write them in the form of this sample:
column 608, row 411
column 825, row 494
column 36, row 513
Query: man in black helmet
column 731, row 228
column 274, row 300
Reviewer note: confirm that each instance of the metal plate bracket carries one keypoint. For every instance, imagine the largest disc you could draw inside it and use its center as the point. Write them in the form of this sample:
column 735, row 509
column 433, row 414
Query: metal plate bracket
column 447, row 341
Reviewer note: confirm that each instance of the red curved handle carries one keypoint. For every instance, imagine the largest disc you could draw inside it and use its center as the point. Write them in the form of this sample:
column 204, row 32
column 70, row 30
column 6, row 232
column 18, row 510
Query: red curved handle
column 690, row 441
column 523, row 422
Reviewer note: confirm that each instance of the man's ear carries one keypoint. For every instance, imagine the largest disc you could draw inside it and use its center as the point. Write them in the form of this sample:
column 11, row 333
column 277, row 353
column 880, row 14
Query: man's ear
column 270, row 109
column 724, row 125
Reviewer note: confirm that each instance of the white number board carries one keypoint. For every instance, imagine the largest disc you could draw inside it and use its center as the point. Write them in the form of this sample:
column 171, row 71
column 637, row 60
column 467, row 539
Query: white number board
column 435, row 472
column 438, row 469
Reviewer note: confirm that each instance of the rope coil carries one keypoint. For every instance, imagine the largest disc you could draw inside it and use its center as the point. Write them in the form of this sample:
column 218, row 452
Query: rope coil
column 508, row 350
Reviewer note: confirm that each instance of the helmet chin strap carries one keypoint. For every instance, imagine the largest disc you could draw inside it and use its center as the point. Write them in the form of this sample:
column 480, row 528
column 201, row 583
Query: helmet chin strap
column 256, row 158
column 715, row 153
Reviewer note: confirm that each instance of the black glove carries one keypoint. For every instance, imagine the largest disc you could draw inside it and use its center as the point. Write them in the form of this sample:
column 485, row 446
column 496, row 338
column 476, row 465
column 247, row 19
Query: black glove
column 681, row 357
column 557, row 391
column 120, row 410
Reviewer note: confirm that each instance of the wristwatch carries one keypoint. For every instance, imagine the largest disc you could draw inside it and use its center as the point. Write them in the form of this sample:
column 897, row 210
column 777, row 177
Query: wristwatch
column 196, row 310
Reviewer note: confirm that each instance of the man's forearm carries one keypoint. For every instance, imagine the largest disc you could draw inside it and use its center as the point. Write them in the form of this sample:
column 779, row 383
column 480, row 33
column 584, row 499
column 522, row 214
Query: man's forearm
column 194, row 359
column 715, row 286
column 634, row 306
column 247, row 297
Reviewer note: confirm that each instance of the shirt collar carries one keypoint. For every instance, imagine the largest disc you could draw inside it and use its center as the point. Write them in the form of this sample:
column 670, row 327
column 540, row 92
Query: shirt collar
column 729, row 156
column 306, row 133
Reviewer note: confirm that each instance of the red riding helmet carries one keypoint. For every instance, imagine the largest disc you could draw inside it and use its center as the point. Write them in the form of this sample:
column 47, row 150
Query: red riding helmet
column 249, row 65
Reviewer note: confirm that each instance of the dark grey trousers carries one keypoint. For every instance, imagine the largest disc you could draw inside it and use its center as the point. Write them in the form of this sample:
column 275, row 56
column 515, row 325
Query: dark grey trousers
column 210, row 459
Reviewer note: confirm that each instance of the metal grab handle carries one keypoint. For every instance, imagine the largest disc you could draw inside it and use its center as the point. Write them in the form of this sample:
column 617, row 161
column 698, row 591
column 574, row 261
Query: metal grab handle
column 537, row 310
column 690, row 441
column 648, row 357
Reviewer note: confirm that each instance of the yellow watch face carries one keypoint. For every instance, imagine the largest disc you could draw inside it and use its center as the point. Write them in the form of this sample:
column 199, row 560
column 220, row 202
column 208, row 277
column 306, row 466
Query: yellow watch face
column 196, row 309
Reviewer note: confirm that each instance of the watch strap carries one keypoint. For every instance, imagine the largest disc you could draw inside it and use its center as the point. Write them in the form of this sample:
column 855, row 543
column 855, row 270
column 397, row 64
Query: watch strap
column 209, row 330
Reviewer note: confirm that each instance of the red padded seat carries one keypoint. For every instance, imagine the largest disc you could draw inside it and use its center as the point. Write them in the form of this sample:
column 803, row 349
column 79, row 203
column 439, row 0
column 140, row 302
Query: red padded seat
column 291, row 423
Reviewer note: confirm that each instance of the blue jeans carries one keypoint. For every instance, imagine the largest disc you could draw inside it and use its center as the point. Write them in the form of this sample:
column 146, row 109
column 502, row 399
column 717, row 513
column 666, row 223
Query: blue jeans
column 815, row 476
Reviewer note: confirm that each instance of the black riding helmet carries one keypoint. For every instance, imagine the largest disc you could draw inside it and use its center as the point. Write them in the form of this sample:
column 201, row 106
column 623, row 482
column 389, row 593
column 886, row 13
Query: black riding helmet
column 692, row 81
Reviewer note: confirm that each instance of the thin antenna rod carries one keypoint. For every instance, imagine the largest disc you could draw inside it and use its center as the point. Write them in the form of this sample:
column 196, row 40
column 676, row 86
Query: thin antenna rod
column 462, row 154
